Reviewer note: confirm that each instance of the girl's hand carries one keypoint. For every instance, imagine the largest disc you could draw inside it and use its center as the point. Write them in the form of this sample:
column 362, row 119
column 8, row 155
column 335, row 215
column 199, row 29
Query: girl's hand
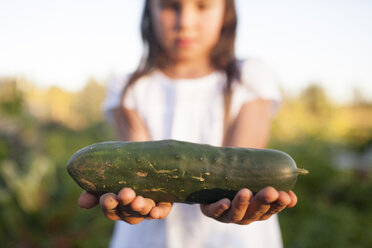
column 126, row 206
column 246, row 208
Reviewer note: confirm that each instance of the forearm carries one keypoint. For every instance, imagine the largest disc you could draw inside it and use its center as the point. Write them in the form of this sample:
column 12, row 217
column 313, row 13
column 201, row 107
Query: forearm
column 129, row 126
column 251, row 128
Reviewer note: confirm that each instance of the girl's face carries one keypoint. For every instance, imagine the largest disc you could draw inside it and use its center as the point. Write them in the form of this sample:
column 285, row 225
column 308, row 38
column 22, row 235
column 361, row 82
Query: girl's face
column 187, row 29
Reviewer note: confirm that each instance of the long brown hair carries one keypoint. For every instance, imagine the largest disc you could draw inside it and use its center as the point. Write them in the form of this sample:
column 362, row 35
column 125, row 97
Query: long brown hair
column 222, row 56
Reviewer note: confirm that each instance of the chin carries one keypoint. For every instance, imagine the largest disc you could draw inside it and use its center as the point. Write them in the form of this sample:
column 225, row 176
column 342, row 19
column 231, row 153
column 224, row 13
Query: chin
column 187, row 55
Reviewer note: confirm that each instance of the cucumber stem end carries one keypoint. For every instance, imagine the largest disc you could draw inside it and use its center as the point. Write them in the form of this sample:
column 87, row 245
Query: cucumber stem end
column 302, row 171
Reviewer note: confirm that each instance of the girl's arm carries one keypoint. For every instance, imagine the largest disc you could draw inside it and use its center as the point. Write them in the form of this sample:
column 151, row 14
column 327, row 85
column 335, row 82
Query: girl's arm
column 126, row 205
column 250, row 129
column 129, row 126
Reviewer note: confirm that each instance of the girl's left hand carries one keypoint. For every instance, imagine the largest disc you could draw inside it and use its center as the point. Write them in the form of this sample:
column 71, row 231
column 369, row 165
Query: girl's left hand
column 246, row 208
column 126, row 206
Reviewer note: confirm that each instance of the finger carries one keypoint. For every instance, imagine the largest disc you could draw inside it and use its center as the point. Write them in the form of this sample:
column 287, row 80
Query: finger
column 293, row 199
column 87, row 200
column 239, row 206
column 260, row 204
column 216, row 209
column 133, row 220
column 108, row 203
column 112, row 214
column 280, row 204
column 161, row 210
column 126, row 196
column 142, row 205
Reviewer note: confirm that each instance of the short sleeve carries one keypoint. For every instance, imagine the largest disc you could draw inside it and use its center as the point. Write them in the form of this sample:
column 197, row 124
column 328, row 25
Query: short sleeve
column 114, row 97
column 257, row 82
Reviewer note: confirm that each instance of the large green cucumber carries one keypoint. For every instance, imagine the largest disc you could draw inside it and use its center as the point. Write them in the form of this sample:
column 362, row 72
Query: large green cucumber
column 176, row 171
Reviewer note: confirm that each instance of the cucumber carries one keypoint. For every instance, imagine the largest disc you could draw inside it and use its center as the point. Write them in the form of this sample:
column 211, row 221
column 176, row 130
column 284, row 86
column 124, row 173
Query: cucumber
column 177, row 171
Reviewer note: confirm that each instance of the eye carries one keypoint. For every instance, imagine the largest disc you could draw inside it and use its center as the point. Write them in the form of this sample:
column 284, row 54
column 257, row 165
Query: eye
column 202, row 5
column 170, row 5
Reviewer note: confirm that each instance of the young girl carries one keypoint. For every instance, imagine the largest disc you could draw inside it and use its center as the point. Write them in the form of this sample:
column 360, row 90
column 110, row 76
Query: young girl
column 189, row 86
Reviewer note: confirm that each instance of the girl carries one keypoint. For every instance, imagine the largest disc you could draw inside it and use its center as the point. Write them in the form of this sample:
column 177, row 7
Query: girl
column 189, row 86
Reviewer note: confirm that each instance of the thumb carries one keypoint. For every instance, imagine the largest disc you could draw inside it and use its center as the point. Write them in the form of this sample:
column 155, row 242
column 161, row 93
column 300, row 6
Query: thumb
column 216, row 209
column 87, row 200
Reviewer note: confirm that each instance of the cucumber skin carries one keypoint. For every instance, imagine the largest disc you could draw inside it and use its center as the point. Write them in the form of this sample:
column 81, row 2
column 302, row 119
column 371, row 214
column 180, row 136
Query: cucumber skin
column 177, row 171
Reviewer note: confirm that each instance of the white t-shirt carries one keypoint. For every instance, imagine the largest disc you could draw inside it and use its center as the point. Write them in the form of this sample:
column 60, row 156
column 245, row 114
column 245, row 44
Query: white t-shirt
column 193, row 110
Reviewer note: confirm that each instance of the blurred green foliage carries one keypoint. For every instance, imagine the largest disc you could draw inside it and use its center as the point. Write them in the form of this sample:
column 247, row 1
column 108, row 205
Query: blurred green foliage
column 334, row 205
column 38, row 199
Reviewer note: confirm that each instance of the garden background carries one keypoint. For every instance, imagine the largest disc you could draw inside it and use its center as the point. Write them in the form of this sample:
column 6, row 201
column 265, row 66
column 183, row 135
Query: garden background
column 40, row 128
column 49, row 108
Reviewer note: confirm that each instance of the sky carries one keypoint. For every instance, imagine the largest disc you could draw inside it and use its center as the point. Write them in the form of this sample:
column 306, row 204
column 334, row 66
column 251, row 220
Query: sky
column 64, row 43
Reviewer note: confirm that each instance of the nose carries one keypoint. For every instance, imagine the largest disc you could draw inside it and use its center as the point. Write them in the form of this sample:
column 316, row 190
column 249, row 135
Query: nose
column 186, row 17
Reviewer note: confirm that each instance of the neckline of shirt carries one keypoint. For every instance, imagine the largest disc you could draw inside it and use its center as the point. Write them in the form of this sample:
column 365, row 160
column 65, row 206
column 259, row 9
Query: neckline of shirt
column 210, row 79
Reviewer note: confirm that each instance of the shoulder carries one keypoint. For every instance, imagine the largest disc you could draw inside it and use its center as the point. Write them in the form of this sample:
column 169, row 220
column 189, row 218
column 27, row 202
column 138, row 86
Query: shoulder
column 257, row 82
column 255, row 70
column 114, row 90
column 117, row 85
column 258, row 78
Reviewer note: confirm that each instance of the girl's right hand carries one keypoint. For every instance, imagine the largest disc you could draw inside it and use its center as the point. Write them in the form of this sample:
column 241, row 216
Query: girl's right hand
column 126, row 206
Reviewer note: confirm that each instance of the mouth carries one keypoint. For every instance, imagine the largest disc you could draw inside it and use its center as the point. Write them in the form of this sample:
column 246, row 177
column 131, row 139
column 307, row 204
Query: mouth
column 185, row 42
